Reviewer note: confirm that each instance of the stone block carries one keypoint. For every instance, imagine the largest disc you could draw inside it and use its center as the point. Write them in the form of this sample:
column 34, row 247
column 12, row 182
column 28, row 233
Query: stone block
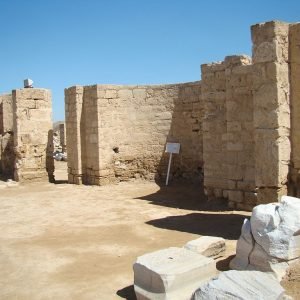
column 235, row 172
column 125, row 94
column 235, row 146
column 268, row 42
column 243, row 285
column 139, row 93
column 236, row 196
column 172, row 273
column 110, row 94
column 270, row 240
column 246, row 185
column 250, row 198
column 276, row 227
column 272, row 151
column 207, row 245
column 294, row 40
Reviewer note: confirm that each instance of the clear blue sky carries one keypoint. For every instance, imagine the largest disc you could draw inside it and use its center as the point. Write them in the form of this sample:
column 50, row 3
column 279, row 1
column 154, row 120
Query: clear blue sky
column 60, row 43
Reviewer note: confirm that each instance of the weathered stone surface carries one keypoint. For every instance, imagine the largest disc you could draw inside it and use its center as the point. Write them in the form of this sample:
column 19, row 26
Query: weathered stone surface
column 294, row 41
column 244, row 247
column 207, row 245
column 243, row 285
column 270, row 239
column 238, row 127
column 172, row 273
column 33, row 141
column 271, row 106
column 276, row 228
column 124, row 129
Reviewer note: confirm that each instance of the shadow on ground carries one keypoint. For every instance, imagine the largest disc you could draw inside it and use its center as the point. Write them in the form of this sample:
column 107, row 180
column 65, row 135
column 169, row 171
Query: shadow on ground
column 60, row 181
column 127, row 293
column 185, row 196
column 227, row 226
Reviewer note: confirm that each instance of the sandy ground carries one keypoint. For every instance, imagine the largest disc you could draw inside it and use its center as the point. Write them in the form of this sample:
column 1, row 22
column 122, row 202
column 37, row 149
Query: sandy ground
column 61, row 241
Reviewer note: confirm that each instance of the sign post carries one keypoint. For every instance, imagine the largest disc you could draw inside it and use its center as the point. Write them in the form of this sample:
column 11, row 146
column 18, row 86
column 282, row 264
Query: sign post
column 171, row 148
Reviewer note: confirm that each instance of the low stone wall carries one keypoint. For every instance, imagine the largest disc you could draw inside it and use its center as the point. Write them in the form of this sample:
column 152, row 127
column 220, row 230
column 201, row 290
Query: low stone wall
column 120, row 132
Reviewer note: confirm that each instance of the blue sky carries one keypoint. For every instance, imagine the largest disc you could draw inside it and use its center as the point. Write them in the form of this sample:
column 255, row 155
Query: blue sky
column 60, row 43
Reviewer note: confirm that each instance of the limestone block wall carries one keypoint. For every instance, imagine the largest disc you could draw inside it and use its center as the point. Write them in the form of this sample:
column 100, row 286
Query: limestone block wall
column 239, row 125
column 251, row 119
column 32, row 127
column 271, row 109
column 73, row 115
column 7, row 155
column 294, row 59
column 240, row 161
column 120, row 132
column 228, row 142
column 214, row 128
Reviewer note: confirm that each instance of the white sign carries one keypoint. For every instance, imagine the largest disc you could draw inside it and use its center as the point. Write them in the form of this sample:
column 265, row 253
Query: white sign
column 173, row 148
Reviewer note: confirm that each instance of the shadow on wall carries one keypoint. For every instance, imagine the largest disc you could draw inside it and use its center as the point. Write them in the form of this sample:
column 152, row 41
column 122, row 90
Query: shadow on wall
column 185, row 129
column 49, row 157
column 7, row 156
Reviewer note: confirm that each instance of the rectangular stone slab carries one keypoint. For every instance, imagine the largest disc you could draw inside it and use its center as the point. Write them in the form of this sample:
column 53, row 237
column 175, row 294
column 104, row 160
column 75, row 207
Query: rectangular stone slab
column 172, row 273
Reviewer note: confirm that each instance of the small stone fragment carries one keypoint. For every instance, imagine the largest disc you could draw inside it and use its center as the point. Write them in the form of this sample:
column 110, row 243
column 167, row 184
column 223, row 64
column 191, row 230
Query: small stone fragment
column 207, row 245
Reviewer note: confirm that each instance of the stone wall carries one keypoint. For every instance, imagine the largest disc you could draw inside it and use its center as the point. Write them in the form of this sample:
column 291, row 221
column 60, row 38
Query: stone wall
column 7, row 155
column 120, row 132
column 33, row 141
column 294, row 58
column 239, row 125
column 271, row 109
column 247, row 120
column 240, row 162
column 228, row 142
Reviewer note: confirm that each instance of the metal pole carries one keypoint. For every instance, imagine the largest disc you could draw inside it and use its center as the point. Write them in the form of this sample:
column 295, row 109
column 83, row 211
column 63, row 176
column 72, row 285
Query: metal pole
column 169, row 166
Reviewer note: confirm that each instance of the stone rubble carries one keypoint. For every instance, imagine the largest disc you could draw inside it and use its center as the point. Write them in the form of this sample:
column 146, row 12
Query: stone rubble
column 271, row 239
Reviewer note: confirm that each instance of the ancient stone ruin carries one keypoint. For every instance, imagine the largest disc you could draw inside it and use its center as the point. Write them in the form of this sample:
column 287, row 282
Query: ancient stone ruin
column 119, row 132
column 26, row 145
column 237, row 126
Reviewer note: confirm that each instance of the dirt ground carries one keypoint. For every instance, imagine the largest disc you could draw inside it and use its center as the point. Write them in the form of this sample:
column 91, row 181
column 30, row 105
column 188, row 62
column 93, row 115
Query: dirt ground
column 61, row 241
